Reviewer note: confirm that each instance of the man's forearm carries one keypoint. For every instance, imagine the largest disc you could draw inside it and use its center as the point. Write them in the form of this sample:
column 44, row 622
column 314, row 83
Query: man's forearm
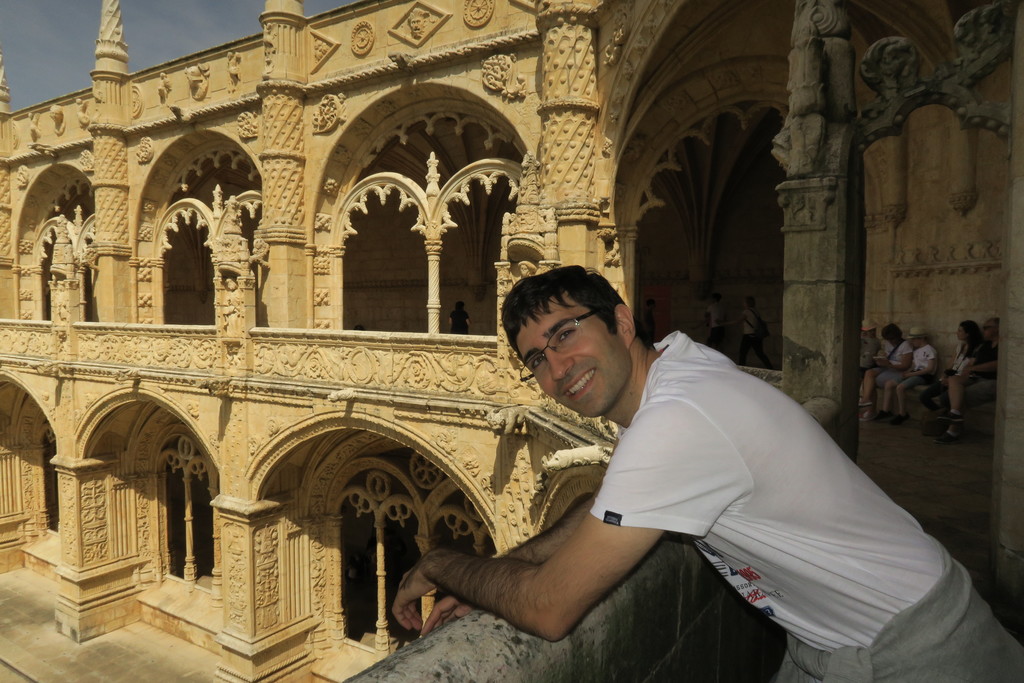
column 499, row 585
column 542, row 546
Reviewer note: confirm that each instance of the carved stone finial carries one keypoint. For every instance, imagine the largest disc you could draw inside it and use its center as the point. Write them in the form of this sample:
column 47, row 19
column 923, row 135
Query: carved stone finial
column 433, row 176
column 111, row 45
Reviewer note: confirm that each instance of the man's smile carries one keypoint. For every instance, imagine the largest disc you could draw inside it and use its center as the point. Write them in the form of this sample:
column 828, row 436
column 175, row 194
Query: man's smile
column 580, row 383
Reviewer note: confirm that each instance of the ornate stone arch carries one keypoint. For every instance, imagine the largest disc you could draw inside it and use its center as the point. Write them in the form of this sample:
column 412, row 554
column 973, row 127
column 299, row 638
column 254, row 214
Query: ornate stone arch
column 21, row 417
column 276, row 450
column 393, row 115
column 177, row 166
column 105, row 406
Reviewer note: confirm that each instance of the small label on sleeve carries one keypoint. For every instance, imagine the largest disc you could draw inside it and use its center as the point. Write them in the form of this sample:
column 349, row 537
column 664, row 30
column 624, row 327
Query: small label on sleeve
column 612, row 518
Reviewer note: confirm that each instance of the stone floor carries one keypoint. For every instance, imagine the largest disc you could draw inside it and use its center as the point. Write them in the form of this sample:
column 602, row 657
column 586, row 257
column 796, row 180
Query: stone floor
column 946, row 487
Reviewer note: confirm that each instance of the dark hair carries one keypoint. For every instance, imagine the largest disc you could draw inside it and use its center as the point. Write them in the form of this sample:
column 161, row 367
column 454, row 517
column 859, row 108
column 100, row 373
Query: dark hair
column 716, row 296
column 750, row 301
column 532, row 297
column 892, row 332
column 974, row 335
column 459, row 305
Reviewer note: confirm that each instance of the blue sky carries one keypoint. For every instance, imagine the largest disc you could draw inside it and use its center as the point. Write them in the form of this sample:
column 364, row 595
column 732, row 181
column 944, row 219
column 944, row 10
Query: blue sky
column 48, row 45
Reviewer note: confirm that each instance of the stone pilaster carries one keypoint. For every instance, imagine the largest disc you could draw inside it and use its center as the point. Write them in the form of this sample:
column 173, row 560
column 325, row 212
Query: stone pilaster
column 824, row 245
column 96, row 584
column 22, row 501
column 568, row 110
column 259, row 641
column 1008, row 462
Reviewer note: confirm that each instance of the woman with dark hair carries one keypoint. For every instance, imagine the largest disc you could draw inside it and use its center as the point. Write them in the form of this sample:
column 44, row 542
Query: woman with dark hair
column 969, row 337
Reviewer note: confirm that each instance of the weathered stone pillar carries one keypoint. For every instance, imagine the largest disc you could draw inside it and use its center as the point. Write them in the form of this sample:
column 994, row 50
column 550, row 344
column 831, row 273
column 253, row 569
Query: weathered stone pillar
column 8, row 292
column 96, row 589
column 823, row 269
column 568, row 113
column 283, row 163
column 1008, row 465
column 258, row 642
column 110, row 181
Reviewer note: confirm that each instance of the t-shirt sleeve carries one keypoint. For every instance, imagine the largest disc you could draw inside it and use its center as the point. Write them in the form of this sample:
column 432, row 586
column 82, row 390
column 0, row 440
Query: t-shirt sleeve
column 673, row 470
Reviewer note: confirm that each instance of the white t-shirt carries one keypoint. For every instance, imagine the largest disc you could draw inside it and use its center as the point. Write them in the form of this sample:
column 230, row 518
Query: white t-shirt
column 923, row 358
column 777, row 507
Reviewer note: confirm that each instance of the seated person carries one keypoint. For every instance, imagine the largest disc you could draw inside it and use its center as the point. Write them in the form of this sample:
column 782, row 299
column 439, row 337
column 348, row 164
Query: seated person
column 922, row 371
column 869, row 345
column 969, row 337
column 897, row 355
column 975, row 388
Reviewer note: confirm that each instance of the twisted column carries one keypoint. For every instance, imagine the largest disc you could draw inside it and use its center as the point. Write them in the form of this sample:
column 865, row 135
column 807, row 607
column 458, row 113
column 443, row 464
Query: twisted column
column 568, row 111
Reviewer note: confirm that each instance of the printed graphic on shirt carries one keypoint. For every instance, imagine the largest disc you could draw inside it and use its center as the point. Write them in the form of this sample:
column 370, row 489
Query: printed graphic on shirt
column 743, row 580
column 612, row 518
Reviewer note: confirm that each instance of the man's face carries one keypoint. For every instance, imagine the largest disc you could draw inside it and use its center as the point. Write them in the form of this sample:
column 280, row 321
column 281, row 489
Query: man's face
column 990, row 330
column 591, row 376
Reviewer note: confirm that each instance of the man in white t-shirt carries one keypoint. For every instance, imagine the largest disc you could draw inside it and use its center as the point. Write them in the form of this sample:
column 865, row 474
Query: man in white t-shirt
column 714, row 453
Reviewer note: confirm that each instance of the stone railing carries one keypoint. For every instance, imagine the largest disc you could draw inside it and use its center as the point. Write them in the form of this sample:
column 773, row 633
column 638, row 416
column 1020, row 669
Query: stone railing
column 34, row 339
column 412, row 363
column 448, row 364
column 672, row 619
column 179, row 347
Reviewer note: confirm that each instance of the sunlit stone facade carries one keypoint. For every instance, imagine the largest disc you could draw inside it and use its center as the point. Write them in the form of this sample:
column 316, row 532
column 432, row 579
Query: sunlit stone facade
column 229, row 402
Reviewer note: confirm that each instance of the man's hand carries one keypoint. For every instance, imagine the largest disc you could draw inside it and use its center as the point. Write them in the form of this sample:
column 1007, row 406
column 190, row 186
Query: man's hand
column 406, row 607
column 446, row 609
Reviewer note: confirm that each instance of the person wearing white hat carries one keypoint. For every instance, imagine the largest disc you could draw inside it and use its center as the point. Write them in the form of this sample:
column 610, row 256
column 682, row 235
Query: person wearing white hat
column 922, row 371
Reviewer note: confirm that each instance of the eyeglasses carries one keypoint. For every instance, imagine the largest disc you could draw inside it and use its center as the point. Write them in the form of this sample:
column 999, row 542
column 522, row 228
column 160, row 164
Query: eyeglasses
column 562, row 338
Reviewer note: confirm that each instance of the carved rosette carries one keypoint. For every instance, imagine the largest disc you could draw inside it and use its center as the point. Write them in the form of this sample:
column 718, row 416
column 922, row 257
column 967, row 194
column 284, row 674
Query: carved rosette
column 144, row 153
column 248, row 125
column 363, row 38
column 329, row 114
column 500, row 75
column 477, row 13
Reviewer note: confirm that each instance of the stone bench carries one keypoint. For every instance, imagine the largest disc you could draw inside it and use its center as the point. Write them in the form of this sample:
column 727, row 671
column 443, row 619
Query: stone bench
column 980, row 419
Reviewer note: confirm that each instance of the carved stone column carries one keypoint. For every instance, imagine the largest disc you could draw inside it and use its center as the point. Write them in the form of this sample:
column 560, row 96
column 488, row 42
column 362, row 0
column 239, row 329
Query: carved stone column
column 1008, row 464
column 433, row 247
column 258, row 641
column 110, row 179
column 96, row 586
column 822, row 223
column 283, row 163
column 568, row 113
column 8, row 292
